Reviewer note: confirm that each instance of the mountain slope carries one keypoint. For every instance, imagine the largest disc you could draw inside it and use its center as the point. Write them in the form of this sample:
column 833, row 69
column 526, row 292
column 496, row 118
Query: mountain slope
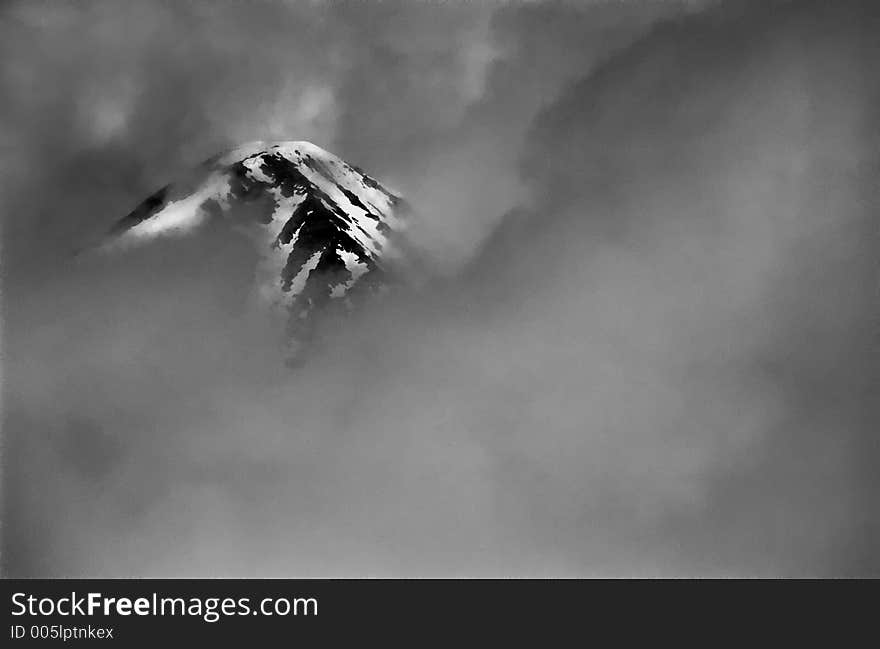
column 326, row 233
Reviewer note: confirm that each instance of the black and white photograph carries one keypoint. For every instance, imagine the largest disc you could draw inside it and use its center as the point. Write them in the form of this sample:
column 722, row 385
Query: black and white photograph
column 439, row 289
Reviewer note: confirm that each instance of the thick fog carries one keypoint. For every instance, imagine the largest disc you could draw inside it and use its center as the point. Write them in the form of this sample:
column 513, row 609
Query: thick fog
column 649, row 347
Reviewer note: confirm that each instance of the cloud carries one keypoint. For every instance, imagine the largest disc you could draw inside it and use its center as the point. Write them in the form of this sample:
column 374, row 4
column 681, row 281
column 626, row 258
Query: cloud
column 650, row 351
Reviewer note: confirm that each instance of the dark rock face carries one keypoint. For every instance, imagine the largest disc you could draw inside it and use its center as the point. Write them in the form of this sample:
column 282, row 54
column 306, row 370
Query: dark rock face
column 327, row 234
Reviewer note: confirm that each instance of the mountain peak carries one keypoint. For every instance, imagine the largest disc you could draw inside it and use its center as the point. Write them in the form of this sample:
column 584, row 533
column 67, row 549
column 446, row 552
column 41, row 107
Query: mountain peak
column 325, row 231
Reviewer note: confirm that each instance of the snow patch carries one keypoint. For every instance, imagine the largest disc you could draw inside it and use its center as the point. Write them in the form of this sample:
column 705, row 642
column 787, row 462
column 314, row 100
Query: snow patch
column 182, row 216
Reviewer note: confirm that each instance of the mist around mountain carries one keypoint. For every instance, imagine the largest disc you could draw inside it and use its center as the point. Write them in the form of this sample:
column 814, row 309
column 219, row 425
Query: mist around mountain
column 326, row 235
column 651, row 351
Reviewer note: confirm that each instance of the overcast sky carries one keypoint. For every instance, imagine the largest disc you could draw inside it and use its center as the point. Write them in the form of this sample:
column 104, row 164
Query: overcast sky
column 650, row 347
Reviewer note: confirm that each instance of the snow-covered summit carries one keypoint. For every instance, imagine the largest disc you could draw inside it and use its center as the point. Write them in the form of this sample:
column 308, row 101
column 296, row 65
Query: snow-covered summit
column 326, row 232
